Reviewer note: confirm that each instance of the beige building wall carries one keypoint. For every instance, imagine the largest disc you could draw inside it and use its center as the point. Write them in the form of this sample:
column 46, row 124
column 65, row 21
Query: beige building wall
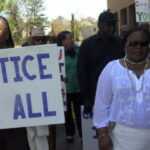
column 88, row 31
column 124, row 10
column 116, row 5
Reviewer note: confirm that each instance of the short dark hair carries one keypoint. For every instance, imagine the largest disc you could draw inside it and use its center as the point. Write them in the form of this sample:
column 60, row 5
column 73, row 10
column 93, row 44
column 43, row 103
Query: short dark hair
column 135, row 29
column 106, row 16
column 9, row 41
column 62, row 36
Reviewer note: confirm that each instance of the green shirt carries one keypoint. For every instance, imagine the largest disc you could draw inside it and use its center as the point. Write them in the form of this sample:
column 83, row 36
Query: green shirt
column 71, row 73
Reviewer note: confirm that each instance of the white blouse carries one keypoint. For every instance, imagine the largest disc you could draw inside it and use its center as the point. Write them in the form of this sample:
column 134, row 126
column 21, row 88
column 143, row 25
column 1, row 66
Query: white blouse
column 117, row 101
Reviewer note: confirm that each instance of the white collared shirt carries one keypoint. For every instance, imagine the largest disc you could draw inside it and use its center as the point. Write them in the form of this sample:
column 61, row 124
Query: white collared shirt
column 117, row 101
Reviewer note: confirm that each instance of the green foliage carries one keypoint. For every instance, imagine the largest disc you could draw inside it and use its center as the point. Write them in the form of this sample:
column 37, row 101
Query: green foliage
column 34, row 12
column 2, row 5
column 22, row 16
column 15, row 20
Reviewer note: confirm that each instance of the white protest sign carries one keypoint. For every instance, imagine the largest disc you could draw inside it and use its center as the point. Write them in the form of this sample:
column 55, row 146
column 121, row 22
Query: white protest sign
column 142, row 11
column 30, row 87
column 61, row 59
column 89, row 136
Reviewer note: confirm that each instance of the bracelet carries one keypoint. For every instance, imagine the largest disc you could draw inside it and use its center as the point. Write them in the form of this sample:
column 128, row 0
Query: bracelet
column 103, row 134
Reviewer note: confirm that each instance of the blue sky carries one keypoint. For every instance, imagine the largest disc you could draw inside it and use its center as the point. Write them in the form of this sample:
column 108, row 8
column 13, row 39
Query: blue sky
column 81, row 8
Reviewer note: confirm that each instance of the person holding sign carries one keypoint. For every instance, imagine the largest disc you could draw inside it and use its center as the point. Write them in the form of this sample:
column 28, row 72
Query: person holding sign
column 122, row 102
column 38, row 37
column 65, row 39
column 10, row 139
column 38, row 136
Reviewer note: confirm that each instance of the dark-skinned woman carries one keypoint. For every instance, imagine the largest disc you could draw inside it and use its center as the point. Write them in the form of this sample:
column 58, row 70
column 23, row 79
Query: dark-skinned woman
column 65, row 38
column 10, row 139
column 123, row 97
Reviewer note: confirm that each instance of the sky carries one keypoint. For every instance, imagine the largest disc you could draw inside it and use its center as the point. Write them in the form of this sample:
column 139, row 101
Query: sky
column 80, row 8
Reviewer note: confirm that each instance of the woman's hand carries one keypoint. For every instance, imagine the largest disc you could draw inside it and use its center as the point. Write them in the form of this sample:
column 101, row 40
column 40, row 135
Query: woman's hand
column 105, row 142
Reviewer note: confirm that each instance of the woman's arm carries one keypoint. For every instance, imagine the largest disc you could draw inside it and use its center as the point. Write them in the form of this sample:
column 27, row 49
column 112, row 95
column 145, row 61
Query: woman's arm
column 104, row 140
column 103, row 98
column 102, row 105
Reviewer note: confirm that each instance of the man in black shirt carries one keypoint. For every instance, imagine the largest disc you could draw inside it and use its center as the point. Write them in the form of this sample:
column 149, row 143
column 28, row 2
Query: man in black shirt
column 95, row 52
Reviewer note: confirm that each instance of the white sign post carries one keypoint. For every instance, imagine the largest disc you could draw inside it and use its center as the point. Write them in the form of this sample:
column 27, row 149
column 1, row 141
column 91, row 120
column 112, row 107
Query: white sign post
column 142, row 10
column 30, row 87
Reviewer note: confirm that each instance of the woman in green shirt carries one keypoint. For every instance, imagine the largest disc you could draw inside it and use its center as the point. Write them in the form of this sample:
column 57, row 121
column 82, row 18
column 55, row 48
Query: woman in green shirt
column 65, row 39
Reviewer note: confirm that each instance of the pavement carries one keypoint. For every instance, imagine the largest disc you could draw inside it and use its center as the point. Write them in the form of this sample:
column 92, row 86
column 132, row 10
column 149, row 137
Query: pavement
column 61, row 143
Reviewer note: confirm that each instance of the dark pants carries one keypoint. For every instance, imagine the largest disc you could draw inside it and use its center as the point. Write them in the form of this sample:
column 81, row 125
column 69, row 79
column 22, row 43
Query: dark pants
column 52, row 137
column 75, row 98
column 13, row 139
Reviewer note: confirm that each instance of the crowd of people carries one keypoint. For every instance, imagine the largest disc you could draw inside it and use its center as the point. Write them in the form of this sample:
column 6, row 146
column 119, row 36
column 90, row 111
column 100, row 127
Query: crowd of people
column 108, row 75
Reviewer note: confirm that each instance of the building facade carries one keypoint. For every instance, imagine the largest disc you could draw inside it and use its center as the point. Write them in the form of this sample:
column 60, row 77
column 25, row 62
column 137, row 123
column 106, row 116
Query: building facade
column 88, row 31
column 124, row 11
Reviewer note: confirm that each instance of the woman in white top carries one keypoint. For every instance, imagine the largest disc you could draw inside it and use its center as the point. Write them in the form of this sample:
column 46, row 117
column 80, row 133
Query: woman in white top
column 123, row 97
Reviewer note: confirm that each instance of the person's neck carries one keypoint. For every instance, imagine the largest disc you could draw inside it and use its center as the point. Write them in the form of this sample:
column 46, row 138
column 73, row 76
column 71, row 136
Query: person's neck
column 105, row 37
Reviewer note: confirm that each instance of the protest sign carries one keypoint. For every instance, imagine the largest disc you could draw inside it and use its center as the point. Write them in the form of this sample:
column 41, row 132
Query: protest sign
column 142, row 11
column 30, row 87
column 61, row 59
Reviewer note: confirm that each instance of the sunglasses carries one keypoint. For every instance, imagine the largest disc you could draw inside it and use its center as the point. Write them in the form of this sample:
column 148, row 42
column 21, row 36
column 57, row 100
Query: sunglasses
column 40, row 39
column 136, row 43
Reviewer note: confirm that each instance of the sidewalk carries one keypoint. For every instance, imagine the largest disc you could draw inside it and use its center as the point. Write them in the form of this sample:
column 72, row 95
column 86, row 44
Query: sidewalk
column 61, row 143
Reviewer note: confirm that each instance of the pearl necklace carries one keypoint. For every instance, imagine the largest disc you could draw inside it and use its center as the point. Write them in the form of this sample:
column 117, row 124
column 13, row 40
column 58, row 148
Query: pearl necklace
column 135, row 63
column 132, row 81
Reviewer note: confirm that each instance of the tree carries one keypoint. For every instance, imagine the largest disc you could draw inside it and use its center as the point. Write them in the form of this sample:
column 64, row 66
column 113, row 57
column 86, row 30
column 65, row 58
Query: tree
column 14, row 17
column 77, row 30
column 2, row 5
column 24, row 15
column 59, row 24
column 33, row 13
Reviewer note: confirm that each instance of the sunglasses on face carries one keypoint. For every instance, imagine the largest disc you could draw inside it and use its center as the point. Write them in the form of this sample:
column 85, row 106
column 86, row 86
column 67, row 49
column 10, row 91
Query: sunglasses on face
column 38, row 39
column 138, row 43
